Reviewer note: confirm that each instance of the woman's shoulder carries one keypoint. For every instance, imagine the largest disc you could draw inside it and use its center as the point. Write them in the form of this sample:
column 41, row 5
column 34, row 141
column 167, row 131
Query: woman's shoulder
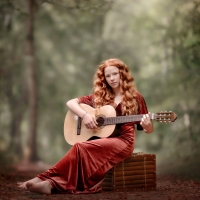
column 138, row 95
column 87, row 99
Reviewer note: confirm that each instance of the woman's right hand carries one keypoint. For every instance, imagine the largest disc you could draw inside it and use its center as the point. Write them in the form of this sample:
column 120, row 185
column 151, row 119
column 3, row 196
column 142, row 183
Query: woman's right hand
column 89, row 121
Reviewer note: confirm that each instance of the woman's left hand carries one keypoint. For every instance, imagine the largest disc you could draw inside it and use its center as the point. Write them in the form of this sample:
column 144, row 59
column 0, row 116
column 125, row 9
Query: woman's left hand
column 147, row 124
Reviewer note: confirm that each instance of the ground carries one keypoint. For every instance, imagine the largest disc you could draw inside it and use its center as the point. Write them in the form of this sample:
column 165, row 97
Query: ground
column 168, row 188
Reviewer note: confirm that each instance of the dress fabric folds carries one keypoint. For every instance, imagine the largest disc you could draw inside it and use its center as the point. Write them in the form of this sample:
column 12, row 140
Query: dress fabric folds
column 84, row 166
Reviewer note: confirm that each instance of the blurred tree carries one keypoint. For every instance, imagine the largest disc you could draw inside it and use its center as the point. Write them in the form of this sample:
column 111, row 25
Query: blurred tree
column 32, row 85
column 12, row 87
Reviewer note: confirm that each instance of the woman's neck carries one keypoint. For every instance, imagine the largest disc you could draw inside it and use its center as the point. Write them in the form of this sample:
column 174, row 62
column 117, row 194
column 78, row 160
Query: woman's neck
column 117, row 99
column 117, row 92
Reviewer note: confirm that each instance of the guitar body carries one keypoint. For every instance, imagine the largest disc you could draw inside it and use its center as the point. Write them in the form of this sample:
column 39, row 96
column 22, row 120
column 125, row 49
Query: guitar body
column 71, row 124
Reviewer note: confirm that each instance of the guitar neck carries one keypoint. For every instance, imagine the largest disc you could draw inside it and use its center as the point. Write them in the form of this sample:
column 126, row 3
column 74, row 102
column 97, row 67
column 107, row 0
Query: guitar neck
column 125, row 119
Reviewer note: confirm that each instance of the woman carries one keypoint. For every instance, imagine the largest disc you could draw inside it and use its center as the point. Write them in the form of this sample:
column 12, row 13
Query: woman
column 84, row 167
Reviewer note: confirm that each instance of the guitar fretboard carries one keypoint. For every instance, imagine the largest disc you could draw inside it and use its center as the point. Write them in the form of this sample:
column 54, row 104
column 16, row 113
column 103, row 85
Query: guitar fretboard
column 125, row 119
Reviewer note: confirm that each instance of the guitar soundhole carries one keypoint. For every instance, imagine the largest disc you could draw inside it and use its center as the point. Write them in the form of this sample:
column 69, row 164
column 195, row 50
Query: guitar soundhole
column 100, row 120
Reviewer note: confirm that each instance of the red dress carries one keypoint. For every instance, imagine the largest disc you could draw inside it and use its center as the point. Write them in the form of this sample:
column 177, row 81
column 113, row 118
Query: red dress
column 84, row 166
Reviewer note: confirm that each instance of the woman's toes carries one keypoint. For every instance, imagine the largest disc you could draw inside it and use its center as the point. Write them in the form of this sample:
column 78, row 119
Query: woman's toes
column 21, row 185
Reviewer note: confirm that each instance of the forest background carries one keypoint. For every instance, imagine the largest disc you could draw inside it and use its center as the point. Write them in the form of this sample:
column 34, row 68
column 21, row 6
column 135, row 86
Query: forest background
column 49, row 51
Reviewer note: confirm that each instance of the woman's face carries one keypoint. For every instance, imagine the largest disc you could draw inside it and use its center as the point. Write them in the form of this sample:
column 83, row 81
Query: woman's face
column 112, row 76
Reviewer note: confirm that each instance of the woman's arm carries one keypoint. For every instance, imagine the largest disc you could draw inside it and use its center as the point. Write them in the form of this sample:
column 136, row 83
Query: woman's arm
column 88, row 120
column 73, row 105
column 147, row 124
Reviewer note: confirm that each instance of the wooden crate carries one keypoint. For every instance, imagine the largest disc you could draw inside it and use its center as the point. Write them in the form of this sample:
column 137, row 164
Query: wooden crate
column 135, row 172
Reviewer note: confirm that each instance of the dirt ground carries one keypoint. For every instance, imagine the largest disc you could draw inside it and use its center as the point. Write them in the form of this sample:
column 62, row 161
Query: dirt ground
column 168, row 188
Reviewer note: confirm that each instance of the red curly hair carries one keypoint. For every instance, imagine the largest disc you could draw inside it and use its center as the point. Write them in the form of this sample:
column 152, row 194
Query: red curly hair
column 103, row 93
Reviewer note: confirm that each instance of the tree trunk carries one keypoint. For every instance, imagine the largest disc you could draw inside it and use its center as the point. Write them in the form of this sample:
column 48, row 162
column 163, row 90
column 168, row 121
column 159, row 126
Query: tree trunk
column 15, row 133
column 32, row 85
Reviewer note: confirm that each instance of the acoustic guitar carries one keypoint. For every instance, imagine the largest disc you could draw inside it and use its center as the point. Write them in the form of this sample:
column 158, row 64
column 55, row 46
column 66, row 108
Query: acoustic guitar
column 75, row 130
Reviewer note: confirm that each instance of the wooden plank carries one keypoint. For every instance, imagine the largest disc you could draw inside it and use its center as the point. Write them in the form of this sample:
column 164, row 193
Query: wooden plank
column 133, row 182
column 134, row 177
column 134, row 172
column 129, row 167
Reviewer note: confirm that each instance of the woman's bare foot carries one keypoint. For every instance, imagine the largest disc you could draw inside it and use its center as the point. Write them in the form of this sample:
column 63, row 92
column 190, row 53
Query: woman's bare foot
column 23, row 185
column 43, row 187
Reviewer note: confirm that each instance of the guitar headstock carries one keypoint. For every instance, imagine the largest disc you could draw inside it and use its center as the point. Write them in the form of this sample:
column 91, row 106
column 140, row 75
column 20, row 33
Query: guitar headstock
column 165, row 116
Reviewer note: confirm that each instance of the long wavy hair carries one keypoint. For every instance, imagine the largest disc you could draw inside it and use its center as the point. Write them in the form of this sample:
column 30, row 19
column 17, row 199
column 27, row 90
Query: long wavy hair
column 103, row 93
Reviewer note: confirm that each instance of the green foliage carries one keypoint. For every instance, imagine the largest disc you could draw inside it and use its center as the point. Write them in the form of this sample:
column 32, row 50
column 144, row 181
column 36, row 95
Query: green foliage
column 158, row 40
